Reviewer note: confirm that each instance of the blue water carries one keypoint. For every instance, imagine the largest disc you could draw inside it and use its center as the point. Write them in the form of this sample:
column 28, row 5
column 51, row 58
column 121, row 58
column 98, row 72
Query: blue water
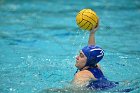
column 39, row 40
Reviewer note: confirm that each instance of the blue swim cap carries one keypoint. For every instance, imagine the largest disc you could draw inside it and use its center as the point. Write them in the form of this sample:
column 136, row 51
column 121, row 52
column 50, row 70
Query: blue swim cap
column 93, row 53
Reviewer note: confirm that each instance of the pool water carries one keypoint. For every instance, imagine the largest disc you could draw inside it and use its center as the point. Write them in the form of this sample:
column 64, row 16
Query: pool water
column 40, row 39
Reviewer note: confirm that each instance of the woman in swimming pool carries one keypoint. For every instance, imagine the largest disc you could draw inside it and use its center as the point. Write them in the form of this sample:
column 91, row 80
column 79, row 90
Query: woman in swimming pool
column 90, row 74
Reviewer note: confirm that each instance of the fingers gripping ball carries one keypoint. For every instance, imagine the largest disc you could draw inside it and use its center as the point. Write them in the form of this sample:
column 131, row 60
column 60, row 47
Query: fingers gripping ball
column 86, row 19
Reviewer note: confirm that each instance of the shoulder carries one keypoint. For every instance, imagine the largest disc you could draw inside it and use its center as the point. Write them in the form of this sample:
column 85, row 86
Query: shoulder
column 82, row 78
column 84, row 74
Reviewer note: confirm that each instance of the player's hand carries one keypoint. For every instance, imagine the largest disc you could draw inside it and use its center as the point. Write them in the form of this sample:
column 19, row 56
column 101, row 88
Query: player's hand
column 94, row 29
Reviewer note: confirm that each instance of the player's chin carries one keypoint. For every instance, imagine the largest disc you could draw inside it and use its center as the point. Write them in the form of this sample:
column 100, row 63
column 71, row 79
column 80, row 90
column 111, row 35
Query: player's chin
column 76, row 64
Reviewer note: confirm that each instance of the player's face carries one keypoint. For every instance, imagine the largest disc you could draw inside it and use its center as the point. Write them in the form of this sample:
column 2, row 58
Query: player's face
column 80, row 60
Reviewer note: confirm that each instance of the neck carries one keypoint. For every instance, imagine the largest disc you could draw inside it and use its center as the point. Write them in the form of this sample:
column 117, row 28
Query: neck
column 84, row 68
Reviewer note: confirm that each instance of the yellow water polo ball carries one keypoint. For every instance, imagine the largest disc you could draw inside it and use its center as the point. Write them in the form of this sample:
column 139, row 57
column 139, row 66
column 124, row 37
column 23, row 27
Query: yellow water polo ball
column 87, row 19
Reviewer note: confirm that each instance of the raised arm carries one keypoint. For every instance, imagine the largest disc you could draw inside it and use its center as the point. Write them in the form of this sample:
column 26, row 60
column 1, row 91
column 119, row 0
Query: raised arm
column 91, row 40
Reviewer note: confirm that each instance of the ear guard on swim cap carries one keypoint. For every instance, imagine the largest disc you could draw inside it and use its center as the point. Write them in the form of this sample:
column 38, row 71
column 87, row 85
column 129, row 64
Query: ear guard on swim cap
column 93, row 53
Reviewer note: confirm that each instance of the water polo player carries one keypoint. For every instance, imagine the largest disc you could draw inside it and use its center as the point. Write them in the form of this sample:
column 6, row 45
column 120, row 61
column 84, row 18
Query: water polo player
column 89, row 74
